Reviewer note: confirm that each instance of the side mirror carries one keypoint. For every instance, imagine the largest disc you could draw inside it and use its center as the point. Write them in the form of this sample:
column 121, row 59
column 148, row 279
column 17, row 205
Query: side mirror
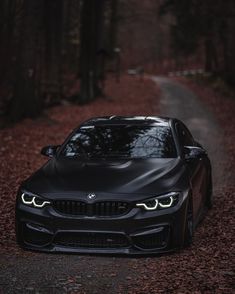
column 193, row 152
column 50, row 151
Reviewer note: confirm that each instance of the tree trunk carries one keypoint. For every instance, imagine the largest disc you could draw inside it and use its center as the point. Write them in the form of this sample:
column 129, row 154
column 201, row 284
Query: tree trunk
column 26, row 100
column 91, row 41
column 6, row 37
column 211, row 60
column 113, row 27
column 52, row 74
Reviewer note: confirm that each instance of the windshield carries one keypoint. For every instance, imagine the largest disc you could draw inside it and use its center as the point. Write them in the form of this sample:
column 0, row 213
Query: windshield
column 121, row 141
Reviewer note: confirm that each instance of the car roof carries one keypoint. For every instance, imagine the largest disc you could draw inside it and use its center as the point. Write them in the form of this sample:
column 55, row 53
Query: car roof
column 128, row 120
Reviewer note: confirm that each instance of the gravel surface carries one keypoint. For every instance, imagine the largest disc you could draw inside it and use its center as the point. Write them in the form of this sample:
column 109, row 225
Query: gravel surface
column 207, row 267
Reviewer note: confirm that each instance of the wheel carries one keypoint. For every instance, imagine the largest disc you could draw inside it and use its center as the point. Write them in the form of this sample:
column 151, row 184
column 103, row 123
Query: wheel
column 209, row 194
column 188, row 234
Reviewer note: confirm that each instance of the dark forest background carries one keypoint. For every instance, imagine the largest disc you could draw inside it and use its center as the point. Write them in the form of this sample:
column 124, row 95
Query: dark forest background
column 47, row 45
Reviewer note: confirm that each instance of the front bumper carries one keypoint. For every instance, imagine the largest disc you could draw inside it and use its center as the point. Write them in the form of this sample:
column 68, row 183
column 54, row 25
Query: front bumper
column 137, row 232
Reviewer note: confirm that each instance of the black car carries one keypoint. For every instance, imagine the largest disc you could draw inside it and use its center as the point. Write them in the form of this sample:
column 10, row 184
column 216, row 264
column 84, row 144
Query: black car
column 117, row 185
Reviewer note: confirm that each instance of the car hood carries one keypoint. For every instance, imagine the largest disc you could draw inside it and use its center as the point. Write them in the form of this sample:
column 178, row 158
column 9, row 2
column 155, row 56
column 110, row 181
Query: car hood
column 138, row 176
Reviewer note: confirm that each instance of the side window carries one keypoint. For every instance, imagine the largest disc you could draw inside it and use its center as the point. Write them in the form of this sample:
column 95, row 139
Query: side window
column 185, row 137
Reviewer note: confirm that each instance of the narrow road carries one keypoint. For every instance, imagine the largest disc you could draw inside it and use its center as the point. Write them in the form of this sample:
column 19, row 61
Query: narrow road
column 192, row 269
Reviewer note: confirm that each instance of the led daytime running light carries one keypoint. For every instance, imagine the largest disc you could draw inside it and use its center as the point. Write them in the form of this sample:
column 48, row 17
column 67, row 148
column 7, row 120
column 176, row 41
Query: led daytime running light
column 158, row 202
column 166, row 205
column 33, row 202
column 147, row 207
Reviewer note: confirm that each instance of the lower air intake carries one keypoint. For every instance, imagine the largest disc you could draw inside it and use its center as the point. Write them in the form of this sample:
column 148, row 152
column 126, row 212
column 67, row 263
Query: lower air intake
column 152, row 241
column 91, row 240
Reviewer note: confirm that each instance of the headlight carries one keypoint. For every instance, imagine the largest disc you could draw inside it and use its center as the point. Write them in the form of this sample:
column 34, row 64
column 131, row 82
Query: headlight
column 33, row 200
column 160, row 202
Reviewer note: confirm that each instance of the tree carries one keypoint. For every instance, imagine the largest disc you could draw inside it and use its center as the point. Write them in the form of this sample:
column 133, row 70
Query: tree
column 41, row 42
column 26, row 100
column 7, row 19
column 52, row 49
column 92, row 40
column 209, row 23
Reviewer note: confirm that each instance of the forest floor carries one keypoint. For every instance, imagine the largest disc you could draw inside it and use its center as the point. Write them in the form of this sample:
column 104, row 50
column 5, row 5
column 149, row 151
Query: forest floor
column 206, row 267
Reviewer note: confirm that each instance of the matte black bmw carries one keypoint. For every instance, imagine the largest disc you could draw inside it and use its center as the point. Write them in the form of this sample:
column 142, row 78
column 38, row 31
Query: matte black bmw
column 117, row 185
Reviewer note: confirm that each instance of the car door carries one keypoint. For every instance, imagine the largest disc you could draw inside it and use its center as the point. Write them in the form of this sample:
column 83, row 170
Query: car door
column 196, row 168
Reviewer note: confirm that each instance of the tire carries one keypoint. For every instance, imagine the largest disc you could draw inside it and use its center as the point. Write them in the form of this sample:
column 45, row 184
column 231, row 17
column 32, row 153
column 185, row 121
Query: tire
column 189, row 229
column 209, row 194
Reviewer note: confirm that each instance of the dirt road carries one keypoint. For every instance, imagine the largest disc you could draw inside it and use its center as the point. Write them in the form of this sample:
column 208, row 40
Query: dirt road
column 204, row 268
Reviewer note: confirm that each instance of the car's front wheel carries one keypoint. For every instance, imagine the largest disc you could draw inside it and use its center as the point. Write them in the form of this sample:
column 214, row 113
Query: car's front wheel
column 189, row 229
